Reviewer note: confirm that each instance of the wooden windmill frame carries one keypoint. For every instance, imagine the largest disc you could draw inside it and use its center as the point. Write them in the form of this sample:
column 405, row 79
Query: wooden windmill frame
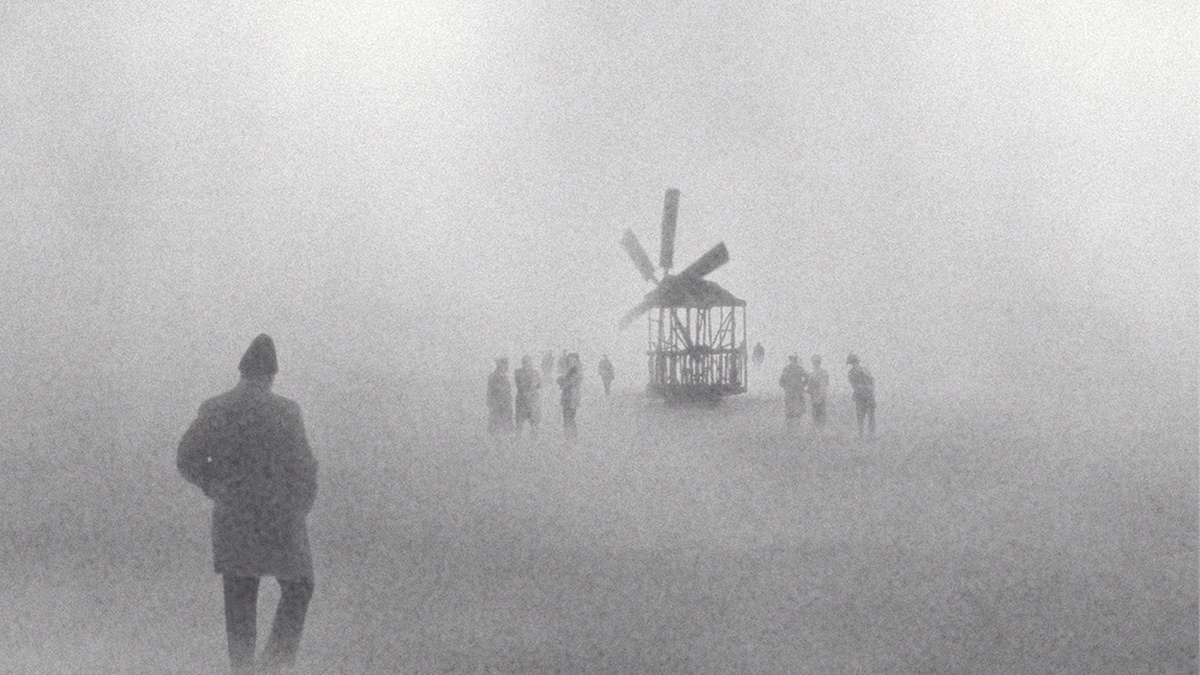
column 696, row 330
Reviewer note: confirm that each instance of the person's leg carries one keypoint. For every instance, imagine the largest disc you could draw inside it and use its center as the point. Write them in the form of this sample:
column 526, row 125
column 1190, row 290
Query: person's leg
column 241, row 611
column 871, row 419
column 284, row 642
column 569, row 423
column 860, row 412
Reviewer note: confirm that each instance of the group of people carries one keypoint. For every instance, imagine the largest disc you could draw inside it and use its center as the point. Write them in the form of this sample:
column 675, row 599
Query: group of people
column 797, row 382
column 247, row 451
column 508, row 412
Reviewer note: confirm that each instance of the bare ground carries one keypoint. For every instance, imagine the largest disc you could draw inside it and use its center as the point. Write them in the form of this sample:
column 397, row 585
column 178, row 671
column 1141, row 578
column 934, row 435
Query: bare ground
column 666, row 540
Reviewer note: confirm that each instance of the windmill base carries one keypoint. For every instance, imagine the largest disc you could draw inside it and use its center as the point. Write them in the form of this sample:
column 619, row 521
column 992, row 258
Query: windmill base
column 693, row 394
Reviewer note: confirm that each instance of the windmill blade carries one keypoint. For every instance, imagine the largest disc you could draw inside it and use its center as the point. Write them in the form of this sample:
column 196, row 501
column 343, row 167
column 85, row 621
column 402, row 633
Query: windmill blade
column 716, row 256
column 634, row 313
column 666, row 252
column 638, row 255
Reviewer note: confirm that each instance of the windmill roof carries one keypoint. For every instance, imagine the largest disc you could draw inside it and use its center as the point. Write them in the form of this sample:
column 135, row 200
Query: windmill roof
column 690, row 291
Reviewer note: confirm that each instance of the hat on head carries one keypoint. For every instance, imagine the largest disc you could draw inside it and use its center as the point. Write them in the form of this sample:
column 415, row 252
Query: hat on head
column 259, row 359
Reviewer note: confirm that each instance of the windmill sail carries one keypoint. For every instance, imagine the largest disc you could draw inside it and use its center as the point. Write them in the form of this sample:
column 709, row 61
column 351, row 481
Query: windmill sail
column 716, row 256
column 632, row 315
column 666, row 252
column 638, row 255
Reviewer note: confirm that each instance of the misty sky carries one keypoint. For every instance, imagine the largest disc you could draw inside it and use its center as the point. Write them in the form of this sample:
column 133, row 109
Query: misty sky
column 425, row 185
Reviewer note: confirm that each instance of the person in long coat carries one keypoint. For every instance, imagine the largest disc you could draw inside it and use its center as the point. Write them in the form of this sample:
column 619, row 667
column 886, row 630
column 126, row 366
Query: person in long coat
column 864, row 393
column 500, row 399
column 571, row 385
column 528, row 403
column 607, row 374
column 247, row 451
column 818, row 391
column 793, row 379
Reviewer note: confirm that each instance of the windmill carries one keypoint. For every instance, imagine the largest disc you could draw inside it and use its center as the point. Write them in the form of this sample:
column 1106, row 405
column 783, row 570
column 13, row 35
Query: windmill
column 696, row 330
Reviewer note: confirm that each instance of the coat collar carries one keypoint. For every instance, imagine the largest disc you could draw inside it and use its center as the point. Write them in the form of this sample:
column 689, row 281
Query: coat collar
column 255, row 384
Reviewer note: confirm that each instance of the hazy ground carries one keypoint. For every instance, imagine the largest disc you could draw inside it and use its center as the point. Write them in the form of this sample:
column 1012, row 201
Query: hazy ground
column 666, row 541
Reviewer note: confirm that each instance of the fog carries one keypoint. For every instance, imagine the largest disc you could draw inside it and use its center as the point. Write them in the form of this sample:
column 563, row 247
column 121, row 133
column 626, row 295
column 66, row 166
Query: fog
column 435, row 185
column 994, row 205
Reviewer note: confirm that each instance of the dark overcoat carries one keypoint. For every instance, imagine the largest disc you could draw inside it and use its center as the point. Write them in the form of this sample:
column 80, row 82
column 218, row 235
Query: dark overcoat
column 528, row 400
column 571, row 385
column 500, row 401
column 247, row 450
column 864, row 387
column 793, row 379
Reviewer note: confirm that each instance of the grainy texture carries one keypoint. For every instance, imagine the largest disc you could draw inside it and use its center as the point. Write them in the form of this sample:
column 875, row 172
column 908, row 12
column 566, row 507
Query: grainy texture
column 993, row 203
column 665, row 540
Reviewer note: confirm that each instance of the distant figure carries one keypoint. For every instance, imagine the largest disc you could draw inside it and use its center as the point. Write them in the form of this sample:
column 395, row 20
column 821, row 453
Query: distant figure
column 529, row 406
column 864, row 394
column 547, row 363
column 571, row 384
column 248, row 452
column 818, row 391
column 606, row 373
column 758, row 355
column 500, row 399
column 793, row 380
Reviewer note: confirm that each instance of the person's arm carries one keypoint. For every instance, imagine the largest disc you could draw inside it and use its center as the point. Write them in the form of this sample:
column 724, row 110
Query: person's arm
column 192, row 457
column 302, row 466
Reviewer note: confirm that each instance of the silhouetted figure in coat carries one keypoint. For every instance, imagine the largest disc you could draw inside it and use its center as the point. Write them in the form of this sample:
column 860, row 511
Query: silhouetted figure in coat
column 793, row 379
column 606, row 373
column 758, row 355
column 818, row 391
column 864, row 394
column 500, row 399
column 571, row 385
column 248, row 452
column 528, row 401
